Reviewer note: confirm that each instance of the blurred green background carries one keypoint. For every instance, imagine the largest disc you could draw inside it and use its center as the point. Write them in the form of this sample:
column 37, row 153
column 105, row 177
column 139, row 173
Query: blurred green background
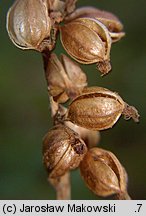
column 25, row 114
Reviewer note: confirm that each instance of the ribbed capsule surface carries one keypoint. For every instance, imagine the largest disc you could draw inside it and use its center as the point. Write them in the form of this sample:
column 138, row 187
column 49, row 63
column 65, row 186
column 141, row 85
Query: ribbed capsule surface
column 96, row 108
column 110, row 20
column 87, row 41
column 62, row 150
column 28, row 23
column 103, row 173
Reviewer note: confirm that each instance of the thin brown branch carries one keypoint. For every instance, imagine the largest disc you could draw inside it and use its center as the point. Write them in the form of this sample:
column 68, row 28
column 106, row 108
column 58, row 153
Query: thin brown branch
column 123, row 196
column 62, row 186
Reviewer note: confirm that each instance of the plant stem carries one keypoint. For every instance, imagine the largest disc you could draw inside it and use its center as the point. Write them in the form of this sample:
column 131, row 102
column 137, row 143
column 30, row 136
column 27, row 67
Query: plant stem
column 123, row 196
column 61, row 184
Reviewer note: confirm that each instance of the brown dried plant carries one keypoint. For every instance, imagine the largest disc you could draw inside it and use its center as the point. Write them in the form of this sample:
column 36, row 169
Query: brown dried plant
column 87, row 35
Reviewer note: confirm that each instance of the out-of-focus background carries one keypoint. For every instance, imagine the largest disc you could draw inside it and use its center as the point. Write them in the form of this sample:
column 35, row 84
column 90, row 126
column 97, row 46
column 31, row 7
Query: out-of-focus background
column 25, row 114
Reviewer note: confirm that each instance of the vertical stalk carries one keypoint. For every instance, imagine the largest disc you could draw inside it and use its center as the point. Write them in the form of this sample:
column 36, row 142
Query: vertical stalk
column 123, row 196
column 60, row 184
column 62, row 187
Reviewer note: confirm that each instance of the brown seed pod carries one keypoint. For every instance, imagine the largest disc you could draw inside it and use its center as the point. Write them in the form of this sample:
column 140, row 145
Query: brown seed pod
column 111, row 21
column 65, row 78
column 103, row 173
column 87, row 41
column 98, row 108
column 28, row 24
column 62, row 150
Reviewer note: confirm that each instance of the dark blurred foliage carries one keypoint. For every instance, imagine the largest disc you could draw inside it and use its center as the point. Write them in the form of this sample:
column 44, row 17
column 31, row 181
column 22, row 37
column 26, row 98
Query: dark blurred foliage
column 25, row 114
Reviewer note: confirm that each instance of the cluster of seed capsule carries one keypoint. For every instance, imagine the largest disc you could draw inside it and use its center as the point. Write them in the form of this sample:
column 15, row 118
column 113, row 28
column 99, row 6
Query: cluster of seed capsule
column 87, row 35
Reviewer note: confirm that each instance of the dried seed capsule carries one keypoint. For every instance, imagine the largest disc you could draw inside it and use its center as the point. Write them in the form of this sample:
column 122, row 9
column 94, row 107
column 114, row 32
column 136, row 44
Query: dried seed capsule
column 103, row 173
column 28, row 24
column 62, row 150
column 111, row 21
column 98, row 108
column 65, row 78
column 87, row 41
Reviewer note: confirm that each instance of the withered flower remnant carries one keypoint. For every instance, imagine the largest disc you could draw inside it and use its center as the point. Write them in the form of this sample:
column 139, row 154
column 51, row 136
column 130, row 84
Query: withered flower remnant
column 65, row 78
